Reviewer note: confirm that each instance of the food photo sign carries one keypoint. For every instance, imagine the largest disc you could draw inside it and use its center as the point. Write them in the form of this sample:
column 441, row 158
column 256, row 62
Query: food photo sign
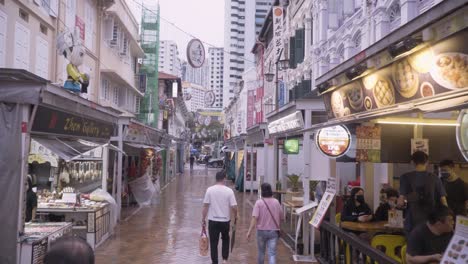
column 456, row 252
column 430, row 71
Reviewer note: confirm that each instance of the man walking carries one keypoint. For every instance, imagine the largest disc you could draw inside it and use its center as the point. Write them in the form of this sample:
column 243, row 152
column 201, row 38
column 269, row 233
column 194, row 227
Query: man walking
column 218, row 204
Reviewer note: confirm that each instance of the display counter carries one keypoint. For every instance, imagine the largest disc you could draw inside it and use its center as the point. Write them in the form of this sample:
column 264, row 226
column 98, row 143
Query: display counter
column 91, row 221
column 37, row 239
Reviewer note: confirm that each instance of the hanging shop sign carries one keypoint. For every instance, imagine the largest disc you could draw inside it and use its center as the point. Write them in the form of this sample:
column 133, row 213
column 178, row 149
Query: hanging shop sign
column 209, row 98
column 424, row 75
column 462, row 133
column 195, row 53
column 53, row 121
column 333, row 141
column 287, row 123
column 368, row 143
column 277, row 31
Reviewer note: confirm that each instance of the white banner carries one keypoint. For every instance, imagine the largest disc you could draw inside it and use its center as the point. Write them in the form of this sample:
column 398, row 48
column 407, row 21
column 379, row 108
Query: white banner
column 277, row 31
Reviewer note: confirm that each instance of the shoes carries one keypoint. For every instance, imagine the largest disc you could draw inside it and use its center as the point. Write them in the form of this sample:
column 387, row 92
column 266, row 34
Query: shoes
column 225, row 261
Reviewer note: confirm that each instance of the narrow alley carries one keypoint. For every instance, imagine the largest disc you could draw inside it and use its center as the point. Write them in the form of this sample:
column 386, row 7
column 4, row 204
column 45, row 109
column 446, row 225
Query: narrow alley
column 168, row 231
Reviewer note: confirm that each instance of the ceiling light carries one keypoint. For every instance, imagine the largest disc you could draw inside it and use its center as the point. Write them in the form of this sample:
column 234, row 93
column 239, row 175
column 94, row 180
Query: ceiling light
column 417, row 121
column 356, row 71
column 400, row 48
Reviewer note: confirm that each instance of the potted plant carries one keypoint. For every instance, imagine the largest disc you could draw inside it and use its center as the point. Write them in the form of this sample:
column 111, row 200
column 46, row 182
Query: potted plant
column 294, row 179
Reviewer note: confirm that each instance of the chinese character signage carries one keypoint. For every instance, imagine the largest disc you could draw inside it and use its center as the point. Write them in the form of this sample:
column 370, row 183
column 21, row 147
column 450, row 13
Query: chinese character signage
column 368, row 145
column 250, row 108
column 81, row 27
column 277, row 31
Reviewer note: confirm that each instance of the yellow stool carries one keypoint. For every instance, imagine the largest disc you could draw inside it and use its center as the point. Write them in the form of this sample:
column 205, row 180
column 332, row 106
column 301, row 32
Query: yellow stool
column 403, row 254
column 391, row 244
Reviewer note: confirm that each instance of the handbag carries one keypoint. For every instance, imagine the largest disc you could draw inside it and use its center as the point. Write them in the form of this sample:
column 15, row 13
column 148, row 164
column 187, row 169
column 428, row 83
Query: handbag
column 203, row 242
column 274, row 219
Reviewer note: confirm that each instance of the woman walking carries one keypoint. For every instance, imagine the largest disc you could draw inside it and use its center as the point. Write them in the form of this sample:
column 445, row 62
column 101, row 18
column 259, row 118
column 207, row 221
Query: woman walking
column 266, row 217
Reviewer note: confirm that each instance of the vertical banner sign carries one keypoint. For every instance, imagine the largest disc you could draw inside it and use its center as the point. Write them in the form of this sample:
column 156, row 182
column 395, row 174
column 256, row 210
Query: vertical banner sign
column 282, row 99
column 368, row 145
column 277, row 31
column 324, row 204
column 250, row 108
column 81, row 27
column 259, row 105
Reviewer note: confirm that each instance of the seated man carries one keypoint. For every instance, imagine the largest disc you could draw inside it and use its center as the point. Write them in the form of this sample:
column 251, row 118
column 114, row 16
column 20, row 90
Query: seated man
column 381, row 214
column 356, row 209
column 428, row 241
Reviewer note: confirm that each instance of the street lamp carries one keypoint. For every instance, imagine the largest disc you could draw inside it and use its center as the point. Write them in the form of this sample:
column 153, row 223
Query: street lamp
column 279, row 65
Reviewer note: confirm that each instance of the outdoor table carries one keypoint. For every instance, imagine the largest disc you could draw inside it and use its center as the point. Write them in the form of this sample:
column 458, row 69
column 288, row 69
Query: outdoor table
column 371, row 227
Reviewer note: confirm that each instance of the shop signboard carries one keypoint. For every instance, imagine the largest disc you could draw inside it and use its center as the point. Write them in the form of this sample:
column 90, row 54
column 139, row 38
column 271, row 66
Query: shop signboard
column 333, row 141
column 420, row 144
column 324, row 204
column 53, row 121
column 140, row 134
column 288, row 123
column 458, row 246
column 195, row 53
column 368, row 147
column 431, row 71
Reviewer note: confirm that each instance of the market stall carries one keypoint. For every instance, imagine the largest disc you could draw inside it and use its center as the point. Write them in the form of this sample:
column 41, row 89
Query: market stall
column 407, row 92
column 69, row 127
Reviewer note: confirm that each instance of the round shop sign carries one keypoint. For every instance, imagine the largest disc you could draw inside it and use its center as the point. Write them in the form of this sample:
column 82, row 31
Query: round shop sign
column 333, row 141
column 209, row 98
column 462, row 133
column 195, row 53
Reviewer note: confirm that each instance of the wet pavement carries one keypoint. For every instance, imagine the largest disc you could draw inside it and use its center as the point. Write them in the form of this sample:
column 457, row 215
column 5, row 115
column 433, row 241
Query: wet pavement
column 168, row 231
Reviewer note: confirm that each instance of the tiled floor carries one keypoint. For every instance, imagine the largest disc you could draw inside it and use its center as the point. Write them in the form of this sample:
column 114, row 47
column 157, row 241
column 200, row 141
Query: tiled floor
column 168, row 232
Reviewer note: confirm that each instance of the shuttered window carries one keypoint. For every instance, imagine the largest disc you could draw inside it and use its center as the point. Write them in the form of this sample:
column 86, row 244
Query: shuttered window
column 89, row 26
column 42, row 58
column 70, row 14
column 299, row 45
column 3, row 27
column 21, row 47
column 292, row 53
column 105, row 87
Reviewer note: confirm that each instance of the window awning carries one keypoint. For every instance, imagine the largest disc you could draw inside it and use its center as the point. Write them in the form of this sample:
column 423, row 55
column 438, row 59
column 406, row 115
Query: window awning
column 68, row 149
column 135, row 145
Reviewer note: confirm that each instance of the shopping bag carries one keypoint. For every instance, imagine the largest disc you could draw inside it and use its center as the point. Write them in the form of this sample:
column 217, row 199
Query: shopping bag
column 203, row 242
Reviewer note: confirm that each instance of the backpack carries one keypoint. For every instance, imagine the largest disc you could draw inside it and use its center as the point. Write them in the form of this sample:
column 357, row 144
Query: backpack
column 421, row 199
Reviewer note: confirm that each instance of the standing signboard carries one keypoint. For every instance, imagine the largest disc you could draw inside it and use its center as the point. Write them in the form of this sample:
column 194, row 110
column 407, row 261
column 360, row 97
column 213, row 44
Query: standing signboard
column 324, row 204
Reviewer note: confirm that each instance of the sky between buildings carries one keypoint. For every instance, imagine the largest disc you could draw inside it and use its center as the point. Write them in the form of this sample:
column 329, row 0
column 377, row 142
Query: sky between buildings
column 202, row 18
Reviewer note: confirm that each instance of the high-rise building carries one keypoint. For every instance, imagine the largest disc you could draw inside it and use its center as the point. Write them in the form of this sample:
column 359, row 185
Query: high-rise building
column 198, row 76
column 169, row 61
column 242, row 22
column 216, row 66
column 196, row 94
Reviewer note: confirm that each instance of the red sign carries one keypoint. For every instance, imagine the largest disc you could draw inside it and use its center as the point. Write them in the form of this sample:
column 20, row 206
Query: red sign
column 250, row 108
column 259, row 106
column 81, row 25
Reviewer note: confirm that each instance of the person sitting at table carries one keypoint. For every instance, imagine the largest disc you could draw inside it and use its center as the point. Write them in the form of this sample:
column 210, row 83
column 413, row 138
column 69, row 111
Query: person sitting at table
column 356, row 209
column 428, row 241
column 381, row 214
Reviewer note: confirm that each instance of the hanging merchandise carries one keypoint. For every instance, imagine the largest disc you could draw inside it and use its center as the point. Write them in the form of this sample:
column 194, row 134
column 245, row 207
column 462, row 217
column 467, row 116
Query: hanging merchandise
column 132, row 171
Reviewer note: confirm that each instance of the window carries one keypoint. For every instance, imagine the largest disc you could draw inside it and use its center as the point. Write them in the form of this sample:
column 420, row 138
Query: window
column 115, row 97
column 70, row 13
column 24, row 15
column 105, row 89
column 43, row 29
column 3, row 23
column 137, row 104
column 115, row 35
column 357, row 42
column 42, row 58
column 89, row 25
column 21, row 47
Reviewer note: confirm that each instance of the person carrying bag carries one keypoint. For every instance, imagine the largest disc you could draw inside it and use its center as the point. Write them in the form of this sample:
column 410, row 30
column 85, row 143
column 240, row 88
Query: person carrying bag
column 203, row 242
column 266, row 218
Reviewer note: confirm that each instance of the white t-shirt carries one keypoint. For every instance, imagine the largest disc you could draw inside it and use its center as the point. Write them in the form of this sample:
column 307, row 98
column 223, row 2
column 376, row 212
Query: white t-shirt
column 221, row 199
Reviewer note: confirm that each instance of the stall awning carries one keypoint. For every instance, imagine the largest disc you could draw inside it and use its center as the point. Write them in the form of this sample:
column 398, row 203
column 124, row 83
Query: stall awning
column 68, row 149
column 136, row 145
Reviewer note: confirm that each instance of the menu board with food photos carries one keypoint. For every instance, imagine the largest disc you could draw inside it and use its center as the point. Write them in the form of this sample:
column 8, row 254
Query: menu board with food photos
column 430, row 71
column 368, row 145
column 457, row 250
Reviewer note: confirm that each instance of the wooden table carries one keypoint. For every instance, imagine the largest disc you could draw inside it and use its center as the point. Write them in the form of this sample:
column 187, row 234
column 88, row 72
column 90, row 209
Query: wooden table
column 371, row 227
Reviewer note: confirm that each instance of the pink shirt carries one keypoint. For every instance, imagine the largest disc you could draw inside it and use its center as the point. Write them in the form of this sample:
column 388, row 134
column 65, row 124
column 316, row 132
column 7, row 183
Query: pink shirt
column 264, row 219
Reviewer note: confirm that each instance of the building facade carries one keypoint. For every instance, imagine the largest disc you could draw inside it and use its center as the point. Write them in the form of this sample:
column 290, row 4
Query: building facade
column 194, row 96
column 169, row 61
column 198, row 76
column 243, row 19
column 216, row 72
